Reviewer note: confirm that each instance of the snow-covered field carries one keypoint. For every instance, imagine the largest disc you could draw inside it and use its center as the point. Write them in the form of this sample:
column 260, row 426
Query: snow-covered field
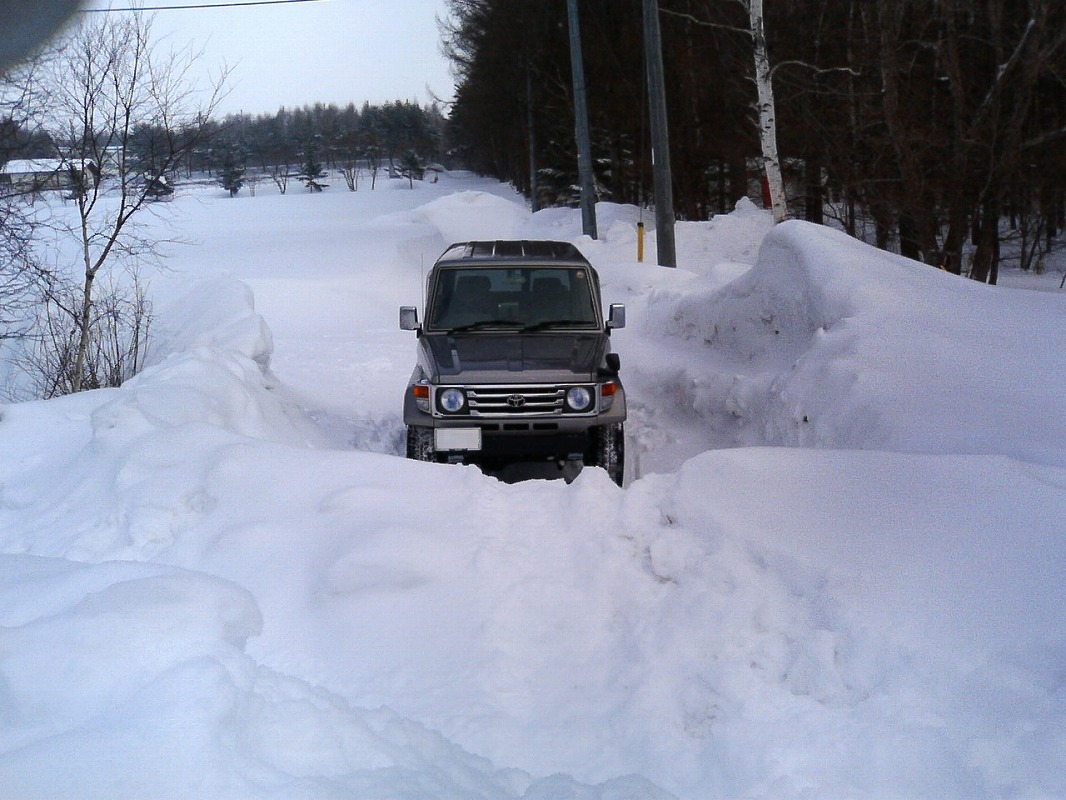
column 836, row 569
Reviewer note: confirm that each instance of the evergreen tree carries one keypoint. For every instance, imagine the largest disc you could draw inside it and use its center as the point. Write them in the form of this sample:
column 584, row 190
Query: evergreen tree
column 412, row 167
column 312, row 168
column 231, row 177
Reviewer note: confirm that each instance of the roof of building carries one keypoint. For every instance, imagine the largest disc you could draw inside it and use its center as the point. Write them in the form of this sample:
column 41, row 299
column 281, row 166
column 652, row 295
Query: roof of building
column 32, row 166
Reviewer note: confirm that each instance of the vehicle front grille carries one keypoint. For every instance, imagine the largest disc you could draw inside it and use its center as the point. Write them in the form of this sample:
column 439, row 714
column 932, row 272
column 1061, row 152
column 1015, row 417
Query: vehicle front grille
column 515, row 400
column 518, row 401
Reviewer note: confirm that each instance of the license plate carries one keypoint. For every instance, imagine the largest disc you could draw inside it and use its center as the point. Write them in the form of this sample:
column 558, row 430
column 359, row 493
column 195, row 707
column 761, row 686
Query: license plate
column 457, row 439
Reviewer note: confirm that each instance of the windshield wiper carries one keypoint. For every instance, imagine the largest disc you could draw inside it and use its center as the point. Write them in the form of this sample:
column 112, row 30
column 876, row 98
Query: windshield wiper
column 552, row 323
column 485, row 323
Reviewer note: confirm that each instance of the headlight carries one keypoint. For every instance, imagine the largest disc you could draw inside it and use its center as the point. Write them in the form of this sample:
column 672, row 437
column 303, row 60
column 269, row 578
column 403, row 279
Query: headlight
column 451, row 400
column 579, row 398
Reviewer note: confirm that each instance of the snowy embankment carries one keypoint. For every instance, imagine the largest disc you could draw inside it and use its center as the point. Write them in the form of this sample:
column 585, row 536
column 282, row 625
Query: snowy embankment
column 833, row 344
column 206, row 594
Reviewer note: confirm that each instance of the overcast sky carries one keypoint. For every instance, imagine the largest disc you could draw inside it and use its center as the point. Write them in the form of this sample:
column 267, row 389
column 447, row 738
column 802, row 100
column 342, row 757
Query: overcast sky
column 298, row 53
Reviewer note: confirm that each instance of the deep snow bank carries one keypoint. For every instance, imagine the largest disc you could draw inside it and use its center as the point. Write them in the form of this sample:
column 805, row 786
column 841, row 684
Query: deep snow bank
column 153, row 695
column 827, row 342
column 776, row 623
column 122, row 677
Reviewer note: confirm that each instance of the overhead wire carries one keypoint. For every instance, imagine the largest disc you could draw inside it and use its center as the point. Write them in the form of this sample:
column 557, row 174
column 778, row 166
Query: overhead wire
column 188, row 6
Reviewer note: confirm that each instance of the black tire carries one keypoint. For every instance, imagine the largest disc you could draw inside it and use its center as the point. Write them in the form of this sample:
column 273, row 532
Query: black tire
column 420, row 444
column 608, row 450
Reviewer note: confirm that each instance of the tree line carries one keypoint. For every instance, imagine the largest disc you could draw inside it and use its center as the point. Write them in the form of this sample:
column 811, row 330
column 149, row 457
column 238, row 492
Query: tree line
column 395, row 136
column 933, row 127
column 399, row 136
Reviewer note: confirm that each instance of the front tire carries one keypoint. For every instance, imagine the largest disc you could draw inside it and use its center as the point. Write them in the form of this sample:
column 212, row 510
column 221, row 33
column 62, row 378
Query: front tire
column 420, row 444
column 608, row 450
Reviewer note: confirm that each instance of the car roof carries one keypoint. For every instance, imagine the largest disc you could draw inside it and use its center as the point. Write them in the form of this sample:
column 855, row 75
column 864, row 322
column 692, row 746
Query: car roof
column 524, row 252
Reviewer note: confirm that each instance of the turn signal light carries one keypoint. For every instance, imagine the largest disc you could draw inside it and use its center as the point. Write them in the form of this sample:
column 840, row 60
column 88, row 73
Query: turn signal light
column 609, row 389
column 421, row 391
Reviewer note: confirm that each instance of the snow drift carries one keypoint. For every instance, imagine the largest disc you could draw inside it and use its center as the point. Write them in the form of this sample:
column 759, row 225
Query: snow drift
column 206, row 594
column 826, row 342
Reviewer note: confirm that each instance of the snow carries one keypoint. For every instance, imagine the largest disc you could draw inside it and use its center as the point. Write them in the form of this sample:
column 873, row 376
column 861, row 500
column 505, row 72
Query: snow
column 835, row 569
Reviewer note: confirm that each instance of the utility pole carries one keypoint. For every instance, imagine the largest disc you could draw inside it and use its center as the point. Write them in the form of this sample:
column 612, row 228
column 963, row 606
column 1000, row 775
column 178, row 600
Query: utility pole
column 581, row 116
column 660, row 137
column 534, row 188
column 527, row 58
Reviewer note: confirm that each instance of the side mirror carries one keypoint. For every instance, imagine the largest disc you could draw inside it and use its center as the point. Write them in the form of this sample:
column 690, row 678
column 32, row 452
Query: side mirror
column 408, row 318
column 617, row 318
column 614, row 363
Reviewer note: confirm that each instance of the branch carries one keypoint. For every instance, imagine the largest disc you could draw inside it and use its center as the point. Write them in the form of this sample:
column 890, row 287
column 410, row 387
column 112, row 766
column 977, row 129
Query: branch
column 1043, row 139
column 816, row 70
column 1015, row 57
column 705, row 23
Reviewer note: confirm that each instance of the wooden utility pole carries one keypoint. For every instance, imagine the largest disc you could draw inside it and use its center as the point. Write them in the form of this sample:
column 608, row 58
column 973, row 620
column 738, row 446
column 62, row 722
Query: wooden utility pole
column 527, row 59
column 534, row 187
column 581, row 116
column 660, row 137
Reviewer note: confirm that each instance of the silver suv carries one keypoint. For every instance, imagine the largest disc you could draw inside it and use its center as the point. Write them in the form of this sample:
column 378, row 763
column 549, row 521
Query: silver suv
column 514, row 360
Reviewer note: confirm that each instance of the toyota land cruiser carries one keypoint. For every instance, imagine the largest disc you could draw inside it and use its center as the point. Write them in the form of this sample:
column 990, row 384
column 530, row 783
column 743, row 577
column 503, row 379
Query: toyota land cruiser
column 514, row 360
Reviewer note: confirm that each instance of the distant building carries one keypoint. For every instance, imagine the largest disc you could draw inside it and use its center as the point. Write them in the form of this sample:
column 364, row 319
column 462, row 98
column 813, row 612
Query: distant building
column 158, row 188
column 36, row 174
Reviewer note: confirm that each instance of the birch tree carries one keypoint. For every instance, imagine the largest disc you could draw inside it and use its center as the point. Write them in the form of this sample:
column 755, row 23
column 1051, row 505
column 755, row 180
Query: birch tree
column 767, row 113
column 765, row 104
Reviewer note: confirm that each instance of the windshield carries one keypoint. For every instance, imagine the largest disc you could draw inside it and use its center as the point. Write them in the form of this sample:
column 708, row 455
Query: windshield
column 528, row 298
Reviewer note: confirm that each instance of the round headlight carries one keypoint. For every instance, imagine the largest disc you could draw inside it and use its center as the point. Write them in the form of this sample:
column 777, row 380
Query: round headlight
column 579, row 398
column 452, row 400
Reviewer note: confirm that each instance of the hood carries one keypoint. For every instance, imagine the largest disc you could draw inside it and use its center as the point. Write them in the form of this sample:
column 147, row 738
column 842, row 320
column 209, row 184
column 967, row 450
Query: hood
column 487, row 358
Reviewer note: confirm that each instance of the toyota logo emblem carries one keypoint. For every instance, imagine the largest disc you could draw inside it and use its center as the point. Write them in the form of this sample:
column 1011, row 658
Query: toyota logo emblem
column 516, row 401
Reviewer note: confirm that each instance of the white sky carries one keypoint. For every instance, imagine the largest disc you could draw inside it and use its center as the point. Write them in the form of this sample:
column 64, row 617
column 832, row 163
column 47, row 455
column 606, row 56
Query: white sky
column 330, row 51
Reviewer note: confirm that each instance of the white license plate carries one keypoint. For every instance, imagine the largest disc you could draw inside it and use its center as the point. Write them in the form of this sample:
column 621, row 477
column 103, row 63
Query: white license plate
column 457, row 439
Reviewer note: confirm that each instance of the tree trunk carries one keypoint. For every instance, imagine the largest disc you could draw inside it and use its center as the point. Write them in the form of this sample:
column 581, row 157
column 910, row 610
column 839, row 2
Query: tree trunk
column 918, row 224
column 958, row 222
column 1051, row 208
column 882, row 225
column 909, row 245
column 815, row 201
column 767, row 114
column 84, row 325
column 986, row 257
column 738, row 181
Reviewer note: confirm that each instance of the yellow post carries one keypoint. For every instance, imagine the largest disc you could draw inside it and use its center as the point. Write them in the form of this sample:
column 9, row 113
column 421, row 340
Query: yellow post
column 640, row 242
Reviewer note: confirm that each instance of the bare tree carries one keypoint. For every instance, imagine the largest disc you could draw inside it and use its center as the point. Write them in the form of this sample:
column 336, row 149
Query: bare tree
column 125, row 114
column 280, row 173
column 350, row 171
column 21, row 272
column 117, row 345
column 373, row 160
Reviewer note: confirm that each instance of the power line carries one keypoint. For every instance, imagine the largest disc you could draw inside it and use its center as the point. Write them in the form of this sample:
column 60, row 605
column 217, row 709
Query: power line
column 186, row 7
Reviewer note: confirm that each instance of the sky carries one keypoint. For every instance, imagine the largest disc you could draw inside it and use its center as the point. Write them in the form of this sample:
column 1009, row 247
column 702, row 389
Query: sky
column 298, row 53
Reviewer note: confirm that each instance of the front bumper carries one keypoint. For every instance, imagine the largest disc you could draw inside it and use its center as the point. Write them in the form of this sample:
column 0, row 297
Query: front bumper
column 533, row 436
